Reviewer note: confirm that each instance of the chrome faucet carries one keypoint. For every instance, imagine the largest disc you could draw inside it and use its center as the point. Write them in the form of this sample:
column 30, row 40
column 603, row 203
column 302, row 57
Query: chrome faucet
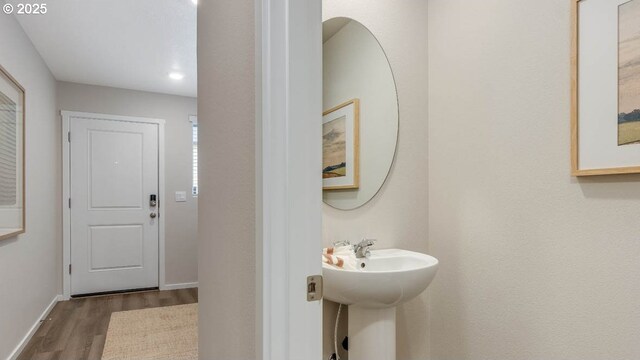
column 363, row 248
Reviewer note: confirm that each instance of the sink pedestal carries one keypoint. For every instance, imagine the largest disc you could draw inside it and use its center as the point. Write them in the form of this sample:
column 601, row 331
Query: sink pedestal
column 372, row 333
column 383, row 280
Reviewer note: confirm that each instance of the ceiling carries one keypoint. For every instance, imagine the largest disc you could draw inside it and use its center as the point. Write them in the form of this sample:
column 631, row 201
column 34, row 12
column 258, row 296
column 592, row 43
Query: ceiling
column 131, row 44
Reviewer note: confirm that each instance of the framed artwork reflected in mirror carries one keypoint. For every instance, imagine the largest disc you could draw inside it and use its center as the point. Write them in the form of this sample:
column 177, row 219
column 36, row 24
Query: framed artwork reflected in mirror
column 340, row 146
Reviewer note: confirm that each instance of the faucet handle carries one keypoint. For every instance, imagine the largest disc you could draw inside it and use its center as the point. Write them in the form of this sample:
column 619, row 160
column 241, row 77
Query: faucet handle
column 363, row 248
column 342, row 243
column 368, row 242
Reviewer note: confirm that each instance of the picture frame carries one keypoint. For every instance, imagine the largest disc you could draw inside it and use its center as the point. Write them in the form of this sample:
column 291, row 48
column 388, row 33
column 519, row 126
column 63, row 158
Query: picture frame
column 13, row 122
column 602, row 141
column 341, row 146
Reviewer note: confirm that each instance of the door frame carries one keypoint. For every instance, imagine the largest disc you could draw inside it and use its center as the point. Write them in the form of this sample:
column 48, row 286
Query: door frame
column 289, row 184
column 66, row 191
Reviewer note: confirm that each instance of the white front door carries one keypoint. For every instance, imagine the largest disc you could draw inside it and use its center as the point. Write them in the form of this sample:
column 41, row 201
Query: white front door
column 114, row 225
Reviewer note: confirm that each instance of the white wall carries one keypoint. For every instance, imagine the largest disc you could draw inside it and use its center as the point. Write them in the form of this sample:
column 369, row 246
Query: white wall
column 397, row 215
column 227, row 208
column 534, row 263
column 30, row 264
column 181, row 247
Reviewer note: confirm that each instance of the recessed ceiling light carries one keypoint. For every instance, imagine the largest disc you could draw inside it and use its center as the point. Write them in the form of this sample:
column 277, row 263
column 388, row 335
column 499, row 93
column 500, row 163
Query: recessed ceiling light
column 195, row 2
column 176, row 75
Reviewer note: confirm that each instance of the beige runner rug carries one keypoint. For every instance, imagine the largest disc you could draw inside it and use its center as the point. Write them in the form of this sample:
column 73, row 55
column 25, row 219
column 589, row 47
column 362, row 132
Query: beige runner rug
column 163, row 333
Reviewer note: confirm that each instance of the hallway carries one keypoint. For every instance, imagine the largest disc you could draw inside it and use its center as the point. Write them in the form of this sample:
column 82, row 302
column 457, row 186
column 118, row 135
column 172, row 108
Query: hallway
column 77, row 329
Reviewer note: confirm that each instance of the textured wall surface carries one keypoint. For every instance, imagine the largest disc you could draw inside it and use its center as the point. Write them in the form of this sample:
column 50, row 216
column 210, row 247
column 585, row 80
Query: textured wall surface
column 397, row 216
column 181, row 228
column 30, row 264
column 226, row 212
column 534, row 263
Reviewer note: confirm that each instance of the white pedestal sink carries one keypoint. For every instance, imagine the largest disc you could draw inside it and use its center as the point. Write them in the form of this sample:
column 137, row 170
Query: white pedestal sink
column 384, row 280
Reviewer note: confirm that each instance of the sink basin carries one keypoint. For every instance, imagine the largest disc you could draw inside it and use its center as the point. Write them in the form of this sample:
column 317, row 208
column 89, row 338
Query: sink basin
column 385, row 279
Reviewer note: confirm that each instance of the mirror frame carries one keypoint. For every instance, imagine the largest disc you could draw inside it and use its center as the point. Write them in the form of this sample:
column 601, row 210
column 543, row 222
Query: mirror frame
column 15, row 82
column 395, row 149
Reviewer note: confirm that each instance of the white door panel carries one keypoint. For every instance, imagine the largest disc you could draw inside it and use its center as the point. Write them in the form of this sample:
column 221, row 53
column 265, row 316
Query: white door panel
column 116, row 174
column 116, row 247
column 114, row 239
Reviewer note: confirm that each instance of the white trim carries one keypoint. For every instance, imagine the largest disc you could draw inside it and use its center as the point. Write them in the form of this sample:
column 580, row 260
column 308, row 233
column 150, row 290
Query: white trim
column 259, row 107
column 25, row 340
column 66, row 192
column 66, row 211
column 188, row 285
column 98, row 116
column 161, row 208
column 289, row 193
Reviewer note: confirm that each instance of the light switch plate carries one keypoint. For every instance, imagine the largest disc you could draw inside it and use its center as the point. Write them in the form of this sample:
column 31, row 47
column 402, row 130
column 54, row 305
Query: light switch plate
column 181, row 196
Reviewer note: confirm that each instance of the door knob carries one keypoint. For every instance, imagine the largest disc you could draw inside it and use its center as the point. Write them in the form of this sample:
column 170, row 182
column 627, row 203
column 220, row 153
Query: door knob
column 153, row 215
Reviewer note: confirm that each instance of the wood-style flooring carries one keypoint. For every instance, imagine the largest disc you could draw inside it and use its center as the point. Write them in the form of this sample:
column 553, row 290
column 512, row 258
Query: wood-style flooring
column 76, row 329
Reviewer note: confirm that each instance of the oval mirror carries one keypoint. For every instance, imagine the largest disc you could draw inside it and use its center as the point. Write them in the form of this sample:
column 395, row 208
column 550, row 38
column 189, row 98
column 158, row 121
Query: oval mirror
column 360, row 118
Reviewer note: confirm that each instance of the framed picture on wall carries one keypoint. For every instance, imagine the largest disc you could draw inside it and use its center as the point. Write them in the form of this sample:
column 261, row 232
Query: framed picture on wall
column 12, row 173
column 605, row 114
column 340, row 146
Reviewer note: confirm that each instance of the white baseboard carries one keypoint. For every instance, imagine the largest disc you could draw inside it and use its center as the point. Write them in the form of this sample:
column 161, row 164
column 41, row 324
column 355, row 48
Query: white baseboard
column 179, row 286
column 25, row 340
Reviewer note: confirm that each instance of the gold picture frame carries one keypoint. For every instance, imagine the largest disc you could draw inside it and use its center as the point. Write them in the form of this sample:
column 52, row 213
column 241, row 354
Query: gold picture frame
column 5, row 76
column 341, row 147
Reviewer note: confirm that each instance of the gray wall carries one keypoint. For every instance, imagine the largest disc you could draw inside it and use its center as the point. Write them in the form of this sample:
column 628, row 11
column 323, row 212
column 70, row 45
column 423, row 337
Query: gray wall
column 535, row 264
column 397, row 215
column 227, row 211
column 181, row 248
column 30, row 264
